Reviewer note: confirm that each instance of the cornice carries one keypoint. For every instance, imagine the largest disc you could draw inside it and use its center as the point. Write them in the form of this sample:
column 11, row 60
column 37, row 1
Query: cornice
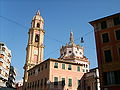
column 35, row 29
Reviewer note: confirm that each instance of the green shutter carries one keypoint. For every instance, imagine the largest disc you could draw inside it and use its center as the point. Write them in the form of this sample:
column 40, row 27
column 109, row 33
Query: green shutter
column 78, row 68
column 78, row 82
column 70, row 82
column 63, row 66
column 55, row 80
column 63, row 81
column 69, row 67
column 56, row 65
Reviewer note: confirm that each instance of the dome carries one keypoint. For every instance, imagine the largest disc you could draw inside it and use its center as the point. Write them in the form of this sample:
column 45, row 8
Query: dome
column 38, row 17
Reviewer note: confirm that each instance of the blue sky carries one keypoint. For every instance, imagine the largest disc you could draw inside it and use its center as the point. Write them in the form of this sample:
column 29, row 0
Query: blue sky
column 60, row 16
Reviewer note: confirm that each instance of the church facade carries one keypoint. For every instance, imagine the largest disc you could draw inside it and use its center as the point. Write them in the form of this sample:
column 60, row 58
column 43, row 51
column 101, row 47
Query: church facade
column 63, row 73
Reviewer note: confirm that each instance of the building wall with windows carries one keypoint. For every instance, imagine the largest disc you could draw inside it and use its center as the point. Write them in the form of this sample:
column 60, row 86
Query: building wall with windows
column 52, row 74
column 90, row 80
column 5, row 59
column 62, row 75
column 11, row 79
column 67, row 77
column 107, row 35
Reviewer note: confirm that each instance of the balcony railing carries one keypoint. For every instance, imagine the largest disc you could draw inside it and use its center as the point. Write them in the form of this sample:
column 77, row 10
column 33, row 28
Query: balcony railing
column 4, row 62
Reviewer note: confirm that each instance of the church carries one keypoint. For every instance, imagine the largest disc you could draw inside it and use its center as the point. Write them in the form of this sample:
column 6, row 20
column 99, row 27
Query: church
column 63, row 73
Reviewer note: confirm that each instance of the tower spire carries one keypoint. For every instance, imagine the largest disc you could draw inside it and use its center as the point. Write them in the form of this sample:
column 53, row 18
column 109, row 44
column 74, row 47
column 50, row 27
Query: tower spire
column 38, row 12
column 71, row 37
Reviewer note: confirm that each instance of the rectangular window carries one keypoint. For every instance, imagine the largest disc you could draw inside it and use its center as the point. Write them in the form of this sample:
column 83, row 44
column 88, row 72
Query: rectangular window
column 108, row 56
column 42, row 67
column 34, row 72
column 117, row 32
column 116, row 20
column 33, row 84
column 119, row 51
column 83, row 70
column 29, row 74
column 38, row 83
column 69, row 67
column 55, row 80
column 63, row 81
column 78, row 68
column 86, row 70
column 105, row 88
column 78, row 82
column 41, row 82
column 105, row 37
column 45, row 82
column 28, row 85
column 112, row 77
column 63, row 66
column 55, row 65
column 39, row 69
column 45, row 65
column 69, row 82
column 103, row 25
column 117, row 77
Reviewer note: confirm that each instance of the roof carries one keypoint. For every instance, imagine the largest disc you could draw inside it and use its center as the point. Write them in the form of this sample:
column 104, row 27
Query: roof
column 57, row 60
column 101, row 19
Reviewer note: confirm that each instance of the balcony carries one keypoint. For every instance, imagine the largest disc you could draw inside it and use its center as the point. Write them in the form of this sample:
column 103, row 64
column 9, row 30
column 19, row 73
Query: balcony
column 9, row 55
column 2, row 56
column 5, row 54
column 2, row 52
column 3, row 78
column 2, row 68
column 4, row 62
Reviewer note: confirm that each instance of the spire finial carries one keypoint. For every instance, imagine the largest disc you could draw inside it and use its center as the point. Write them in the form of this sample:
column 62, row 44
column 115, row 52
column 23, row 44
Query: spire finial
column 71, row 37
column 38, row 12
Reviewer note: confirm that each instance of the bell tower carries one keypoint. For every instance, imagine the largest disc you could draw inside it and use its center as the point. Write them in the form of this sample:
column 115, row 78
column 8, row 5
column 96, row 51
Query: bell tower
column 35, row 47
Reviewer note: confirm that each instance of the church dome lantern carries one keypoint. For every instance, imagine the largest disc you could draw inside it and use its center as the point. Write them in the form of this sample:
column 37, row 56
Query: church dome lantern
column 37, row 21
column 38, row 17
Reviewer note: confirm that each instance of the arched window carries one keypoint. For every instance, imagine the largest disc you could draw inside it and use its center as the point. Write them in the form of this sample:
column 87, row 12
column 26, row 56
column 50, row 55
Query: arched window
column 38, row 25
column 36, row 38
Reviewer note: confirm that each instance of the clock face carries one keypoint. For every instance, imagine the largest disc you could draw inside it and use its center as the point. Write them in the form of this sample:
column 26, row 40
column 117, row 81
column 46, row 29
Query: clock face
column 35, row 52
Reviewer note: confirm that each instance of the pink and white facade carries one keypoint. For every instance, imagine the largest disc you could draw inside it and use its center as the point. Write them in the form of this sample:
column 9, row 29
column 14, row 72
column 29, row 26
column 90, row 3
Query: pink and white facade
column 63, row 73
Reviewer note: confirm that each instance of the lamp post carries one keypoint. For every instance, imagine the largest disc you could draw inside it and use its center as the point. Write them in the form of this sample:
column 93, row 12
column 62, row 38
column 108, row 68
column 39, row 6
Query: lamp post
column 48, row 83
